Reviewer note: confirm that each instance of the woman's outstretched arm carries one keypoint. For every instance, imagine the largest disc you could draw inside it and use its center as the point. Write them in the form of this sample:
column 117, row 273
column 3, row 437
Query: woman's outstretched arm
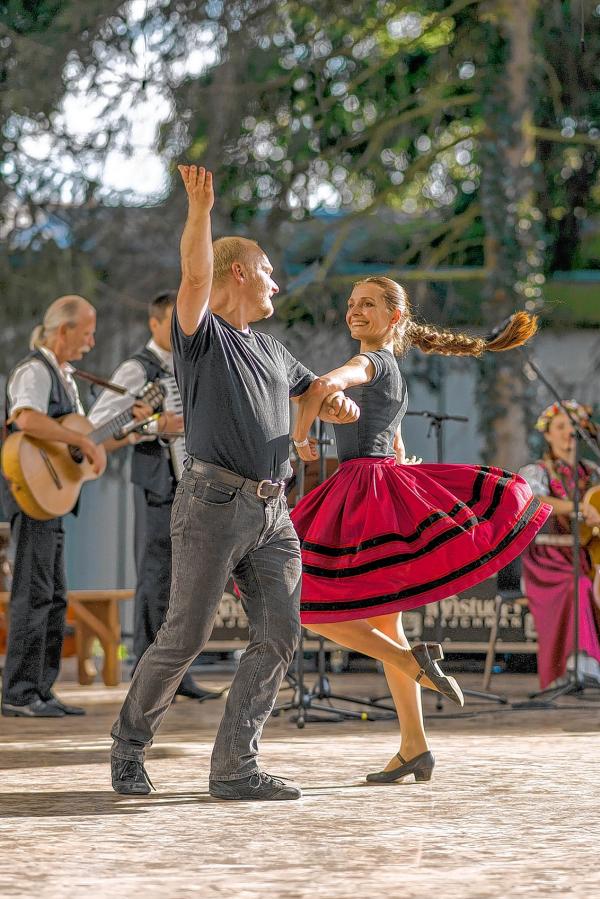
column 358, row 370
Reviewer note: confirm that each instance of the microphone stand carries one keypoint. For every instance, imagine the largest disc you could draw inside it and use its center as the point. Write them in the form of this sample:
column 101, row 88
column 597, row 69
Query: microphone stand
column 308, row 700
column 576, row 683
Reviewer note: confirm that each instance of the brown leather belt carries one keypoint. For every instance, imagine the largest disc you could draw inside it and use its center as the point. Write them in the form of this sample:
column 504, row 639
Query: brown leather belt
column 264, row 489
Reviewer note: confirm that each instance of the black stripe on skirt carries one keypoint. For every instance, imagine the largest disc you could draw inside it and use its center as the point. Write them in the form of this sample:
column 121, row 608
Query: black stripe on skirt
column 348, row 604
column 434, row 543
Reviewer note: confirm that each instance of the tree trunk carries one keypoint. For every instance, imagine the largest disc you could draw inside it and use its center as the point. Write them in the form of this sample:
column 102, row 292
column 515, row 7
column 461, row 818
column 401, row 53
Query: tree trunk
column 512, row 249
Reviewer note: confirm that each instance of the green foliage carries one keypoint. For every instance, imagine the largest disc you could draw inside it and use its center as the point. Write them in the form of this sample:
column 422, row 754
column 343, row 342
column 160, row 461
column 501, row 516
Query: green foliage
column 343, row 136
column 31, row 17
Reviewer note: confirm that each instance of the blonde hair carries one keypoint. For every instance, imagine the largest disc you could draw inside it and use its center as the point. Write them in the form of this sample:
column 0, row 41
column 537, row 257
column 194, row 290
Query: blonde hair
column 518, row 329
column 228, row 250
column 63, row 311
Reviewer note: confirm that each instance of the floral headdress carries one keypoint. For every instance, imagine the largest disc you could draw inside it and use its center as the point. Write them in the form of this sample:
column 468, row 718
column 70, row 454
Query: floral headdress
column 582, row 413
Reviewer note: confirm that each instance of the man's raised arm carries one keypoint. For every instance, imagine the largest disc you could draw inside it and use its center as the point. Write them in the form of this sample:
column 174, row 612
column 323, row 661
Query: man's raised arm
column 196, row 249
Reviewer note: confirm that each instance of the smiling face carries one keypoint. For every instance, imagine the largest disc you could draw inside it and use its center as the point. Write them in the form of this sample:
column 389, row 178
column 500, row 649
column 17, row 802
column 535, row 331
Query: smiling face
column 368, row 316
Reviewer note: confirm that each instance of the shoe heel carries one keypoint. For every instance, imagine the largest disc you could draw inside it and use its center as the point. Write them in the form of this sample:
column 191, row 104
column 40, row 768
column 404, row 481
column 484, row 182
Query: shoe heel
column 455, row 693
column 436, row 653
column 423, row 774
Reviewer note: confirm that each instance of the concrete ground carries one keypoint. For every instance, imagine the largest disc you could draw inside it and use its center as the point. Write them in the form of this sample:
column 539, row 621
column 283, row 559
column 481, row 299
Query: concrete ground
column 512, row 809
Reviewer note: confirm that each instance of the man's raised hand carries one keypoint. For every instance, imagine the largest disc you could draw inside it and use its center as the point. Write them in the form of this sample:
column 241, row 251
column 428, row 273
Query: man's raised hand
column 199, row 187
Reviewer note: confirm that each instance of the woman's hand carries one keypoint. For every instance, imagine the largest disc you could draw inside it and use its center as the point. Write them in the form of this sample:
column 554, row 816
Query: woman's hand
column 307, row 451
column 591, row 516
column 412, row 460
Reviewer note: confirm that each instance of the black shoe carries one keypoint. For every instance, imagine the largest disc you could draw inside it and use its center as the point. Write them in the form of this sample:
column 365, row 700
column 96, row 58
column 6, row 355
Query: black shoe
column 36, row 709
column 130, row 777
column 428, row 655
column 191, row 690
column 55, row 703
column 421, row 766
column 258, row 786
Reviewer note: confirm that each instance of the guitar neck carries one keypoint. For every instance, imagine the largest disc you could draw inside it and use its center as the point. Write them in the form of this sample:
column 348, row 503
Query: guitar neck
column 111, row 428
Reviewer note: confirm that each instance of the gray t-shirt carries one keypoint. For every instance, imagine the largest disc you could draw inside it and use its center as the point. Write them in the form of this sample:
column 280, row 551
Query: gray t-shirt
column 235, row 387
column 382, row 403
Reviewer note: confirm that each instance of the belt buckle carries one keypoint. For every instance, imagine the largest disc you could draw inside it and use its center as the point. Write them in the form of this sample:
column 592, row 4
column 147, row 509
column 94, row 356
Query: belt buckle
column 258, row 489
column 280, row 489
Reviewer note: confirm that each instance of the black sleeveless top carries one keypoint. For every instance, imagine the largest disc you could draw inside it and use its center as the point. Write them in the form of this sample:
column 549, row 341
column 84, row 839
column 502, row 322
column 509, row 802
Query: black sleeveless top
column 151, row 466
column 382, row 403
column 59, row 401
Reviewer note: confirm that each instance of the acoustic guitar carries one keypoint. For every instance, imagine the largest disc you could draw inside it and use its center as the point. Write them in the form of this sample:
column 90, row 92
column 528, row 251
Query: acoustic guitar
column 590, row 536
column 45, row 476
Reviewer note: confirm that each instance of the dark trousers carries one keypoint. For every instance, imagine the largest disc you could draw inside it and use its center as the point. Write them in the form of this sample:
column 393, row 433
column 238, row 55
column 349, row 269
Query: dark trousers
column 153, row 566
column 38, row 605
column 218, row 531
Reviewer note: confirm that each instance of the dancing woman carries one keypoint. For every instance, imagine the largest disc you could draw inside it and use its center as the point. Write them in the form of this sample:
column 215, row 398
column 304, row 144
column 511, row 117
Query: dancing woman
column 379, row 536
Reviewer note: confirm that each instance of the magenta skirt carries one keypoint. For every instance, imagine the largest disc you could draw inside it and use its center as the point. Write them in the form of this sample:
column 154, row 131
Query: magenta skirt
column 378, row 537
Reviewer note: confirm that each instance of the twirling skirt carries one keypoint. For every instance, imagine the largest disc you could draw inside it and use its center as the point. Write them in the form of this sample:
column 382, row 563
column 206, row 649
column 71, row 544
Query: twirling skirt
column 378, row 537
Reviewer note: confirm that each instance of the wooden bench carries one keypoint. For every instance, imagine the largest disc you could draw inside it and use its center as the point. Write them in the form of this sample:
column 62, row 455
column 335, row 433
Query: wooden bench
column 95, row 616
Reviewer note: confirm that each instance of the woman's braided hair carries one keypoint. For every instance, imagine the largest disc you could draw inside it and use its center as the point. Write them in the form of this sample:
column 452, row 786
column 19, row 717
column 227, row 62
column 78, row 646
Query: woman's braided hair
column 431, row 339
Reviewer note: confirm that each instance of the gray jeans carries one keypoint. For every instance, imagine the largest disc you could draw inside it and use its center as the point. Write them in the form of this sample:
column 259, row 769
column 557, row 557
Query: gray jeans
column 218, row 530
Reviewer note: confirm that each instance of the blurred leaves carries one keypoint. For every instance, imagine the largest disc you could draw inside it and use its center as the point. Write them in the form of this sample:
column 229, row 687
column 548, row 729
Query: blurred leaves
column 343, row 136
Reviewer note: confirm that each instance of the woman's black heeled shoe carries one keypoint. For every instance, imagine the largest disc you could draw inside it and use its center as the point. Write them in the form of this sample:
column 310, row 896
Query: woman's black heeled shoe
column 421, row 766
column 428, row 655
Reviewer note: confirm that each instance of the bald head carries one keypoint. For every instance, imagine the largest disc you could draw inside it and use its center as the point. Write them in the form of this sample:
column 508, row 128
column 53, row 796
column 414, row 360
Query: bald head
column 229, row 250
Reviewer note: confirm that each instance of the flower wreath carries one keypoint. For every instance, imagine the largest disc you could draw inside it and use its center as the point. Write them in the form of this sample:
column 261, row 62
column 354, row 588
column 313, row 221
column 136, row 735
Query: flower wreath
column 581, row 412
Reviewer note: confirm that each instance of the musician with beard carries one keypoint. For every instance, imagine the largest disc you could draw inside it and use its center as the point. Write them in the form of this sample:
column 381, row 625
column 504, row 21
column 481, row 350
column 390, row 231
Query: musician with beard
column 155, row 470
column 40, row 390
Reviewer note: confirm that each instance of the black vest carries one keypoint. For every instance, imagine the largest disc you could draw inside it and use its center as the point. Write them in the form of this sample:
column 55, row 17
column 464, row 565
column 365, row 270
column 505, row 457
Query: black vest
column 59, row 404
column 151, row 466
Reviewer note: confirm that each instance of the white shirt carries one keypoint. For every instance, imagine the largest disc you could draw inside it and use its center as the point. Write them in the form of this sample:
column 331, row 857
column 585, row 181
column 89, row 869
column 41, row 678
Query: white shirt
column 131, row 374
column 30, row 385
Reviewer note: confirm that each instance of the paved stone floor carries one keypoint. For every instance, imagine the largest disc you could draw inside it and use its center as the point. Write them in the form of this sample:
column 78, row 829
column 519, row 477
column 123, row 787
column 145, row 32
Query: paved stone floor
column 512, row 811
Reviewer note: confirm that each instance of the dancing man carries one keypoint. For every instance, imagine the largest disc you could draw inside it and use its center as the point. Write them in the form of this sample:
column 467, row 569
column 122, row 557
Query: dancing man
column 379, row 536
column 154, row 478
column 41, row 389
column 230, row 514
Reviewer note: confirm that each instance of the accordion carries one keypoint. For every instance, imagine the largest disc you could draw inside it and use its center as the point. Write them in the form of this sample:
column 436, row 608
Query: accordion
column 172, row 403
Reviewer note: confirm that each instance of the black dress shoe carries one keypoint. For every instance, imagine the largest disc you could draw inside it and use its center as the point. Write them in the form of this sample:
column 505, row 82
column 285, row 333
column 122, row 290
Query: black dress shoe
column 428, row 655
column 129, row 777
column 257, row 787
column 36, row 709
column 421, row 766
column 56, row 703
column 191, row 690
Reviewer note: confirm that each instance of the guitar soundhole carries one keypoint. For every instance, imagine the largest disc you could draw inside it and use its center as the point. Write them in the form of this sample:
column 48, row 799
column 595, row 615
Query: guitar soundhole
column 76, row 454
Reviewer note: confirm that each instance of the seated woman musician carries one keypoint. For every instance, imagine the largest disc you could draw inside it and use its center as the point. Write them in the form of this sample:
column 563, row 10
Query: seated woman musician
column 548, row 577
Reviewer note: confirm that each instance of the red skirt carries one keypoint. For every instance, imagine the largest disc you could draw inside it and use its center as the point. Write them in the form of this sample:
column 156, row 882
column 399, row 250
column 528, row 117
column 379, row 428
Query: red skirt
column 378, row 537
